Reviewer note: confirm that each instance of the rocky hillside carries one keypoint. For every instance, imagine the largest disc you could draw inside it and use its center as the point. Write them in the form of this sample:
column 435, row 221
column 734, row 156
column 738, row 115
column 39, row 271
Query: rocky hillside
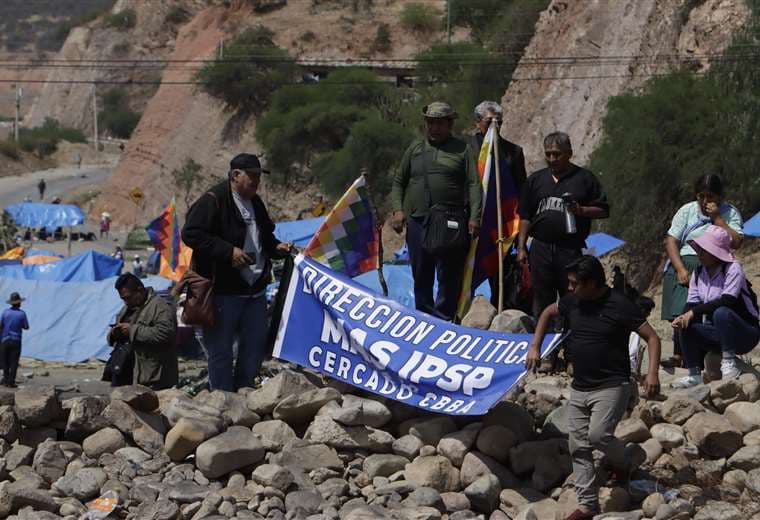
column 616, row 47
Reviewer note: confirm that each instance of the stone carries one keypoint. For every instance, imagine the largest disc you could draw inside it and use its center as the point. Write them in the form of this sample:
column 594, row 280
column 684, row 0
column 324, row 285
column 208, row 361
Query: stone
column 668, row 435
column 37, row 405
column 107, row 440
column 19, row 455
column 334, row 487
column 84, row 485
column 425, row 497
column 384, row 465
column 480, row 315
column 360, row 411
column 713, row 434
column 512, row 500
column 161, row 509
column 613, row 499
column 85, row 417
column 726, row 392
column 454, row 502
column 699, row 393
column 522, row 458
column 187, row 492
column 632, row 430
column 234, row 408
column 652, row 503
column 149, row 439
column 719, row 511
column 496, row 441
column 49, row 461
column 139, row 397
column 476, row 465
column 546, row 508
column 550, row 470
column 308, row 458
column 147, row 430
column 274, row 434
column 19, row 496
column 752, row 438
column 653, row 450
column 555, row 424
column 408, row 446
column 326, row 431
column 33, row 437
column 236, row 448
column 10, row 426
column 735, row 478
column 513, row 321
column 507, row 413
column 273, row 391
column 183, row 406
column 483, row 494
column 272, row 475
column 746, row 458
column 133, row 455
column 744, row 416
column 301, row 408
column 308, row 502
column 435, row 471
column 678, row 410
column 417, row 513
column 187, row 435
column 431, row 431
column 454, row 446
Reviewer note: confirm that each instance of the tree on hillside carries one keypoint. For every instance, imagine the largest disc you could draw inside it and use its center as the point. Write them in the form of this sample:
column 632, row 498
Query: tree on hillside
column 187, row 179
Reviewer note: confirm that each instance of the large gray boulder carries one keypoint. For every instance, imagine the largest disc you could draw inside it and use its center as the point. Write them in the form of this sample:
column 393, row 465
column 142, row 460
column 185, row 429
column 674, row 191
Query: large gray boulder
column 10, row 426
column 484, row 493
column 49, row 461
column 85, row 417
column 301, row 408
column 326, row 431
column 476, row 465
column 714, row 435
column 107, row 440
column 138, row 397
column 234, row 449
column 234, row 408
column 358, row 411
column 188, row 434
column 37, row 405
column 384, row 465
column 454, row 446
column 84, row 485
column 274, row 434
column 273, row 391
column 435, row 471
column 480, row 315
column 308, row 457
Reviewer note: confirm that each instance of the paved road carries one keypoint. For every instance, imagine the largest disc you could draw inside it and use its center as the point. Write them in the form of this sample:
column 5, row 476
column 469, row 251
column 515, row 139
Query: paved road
column 13, row 189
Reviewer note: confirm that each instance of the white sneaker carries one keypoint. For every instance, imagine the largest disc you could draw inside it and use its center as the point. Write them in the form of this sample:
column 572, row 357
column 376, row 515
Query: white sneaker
column 686, row 382
column 729, row 370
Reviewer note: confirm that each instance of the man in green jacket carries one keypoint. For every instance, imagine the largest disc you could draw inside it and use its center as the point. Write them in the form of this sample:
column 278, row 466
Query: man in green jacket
column 148, row 324
column 453, row 182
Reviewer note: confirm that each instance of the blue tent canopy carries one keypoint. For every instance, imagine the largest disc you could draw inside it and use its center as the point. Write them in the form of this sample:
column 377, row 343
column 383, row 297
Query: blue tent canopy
column 752, row 226
column 69, row 321
column 297, row 231
column 40, row 252
column 38, row 215
column 87, row 267
column 599, row 244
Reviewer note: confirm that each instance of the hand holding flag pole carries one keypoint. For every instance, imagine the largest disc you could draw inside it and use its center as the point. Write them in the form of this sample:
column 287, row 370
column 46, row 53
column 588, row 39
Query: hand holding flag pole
column 500, row 242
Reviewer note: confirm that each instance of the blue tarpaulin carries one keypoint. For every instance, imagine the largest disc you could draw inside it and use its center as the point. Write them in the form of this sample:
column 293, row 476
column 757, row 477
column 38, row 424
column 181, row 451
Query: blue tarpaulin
column 297, row 231
column 752, row 226
column 40, row 252
column 87, row 267
column 599, row 244
column 38, row 215
column 69, row 321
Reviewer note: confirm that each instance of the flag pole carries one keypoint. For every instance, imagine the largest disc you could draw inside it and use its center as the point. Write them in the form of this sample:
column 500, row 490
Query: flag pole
column 499, row 223
column 379, row 230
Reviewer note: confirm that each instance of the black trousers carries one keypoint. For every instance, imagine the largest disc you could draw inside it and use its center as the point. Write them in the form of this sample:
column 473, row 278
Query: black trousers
column 547, row 270
column 11, row 352
column 449, row 270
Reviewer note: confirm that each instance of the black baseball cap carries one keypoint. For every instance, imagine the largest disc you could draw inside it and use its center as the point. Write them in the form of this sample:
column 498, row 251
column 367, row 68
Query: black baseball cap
column 246, row 162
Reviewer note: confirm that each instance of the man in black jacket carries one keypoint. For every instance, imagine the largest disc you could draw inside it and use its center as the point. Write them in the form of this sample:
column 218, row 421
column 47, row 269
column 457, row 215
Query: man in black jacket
column 511, row 154
column 233, row 240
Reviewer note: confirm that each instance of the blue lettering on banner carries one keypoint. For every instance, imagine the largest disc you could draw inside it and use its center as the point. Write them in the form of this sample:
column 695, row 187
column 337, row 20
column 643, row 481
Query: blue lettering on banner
column 335, row 326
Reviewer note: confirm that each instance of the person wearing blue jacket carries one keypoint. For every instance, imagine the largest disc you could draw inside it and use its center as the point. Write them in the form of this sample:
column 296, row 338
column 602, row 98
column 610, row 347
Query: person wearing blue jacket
column 12, row 323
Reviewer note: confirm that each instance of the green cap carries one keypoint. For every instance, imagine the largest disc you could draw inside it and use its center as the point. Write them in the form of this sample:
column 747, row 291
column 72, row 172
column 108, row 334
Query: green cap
column 439, row 110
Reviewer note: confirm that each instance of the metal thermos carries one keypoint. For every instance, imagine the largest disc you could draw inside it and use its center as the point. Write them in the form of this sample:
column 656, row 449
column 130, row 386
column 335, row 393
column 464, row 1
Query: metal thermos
column 570, row 227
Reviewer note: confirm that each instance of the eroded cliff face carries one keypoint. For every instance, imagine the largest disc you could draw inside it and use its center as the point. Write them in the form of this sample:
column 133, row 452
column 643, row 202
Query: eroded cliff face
column 583, row 53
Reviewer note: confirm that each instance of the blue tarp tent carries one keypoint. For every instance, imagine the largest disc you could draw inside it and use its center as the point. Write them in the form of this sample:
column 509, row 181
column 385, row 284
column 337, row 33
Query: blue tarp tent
column 87, row 267
column 752, row 226
column 69, row 321
column 38, row 215
column 297, row 231
column 599, row 244
column 40, row 252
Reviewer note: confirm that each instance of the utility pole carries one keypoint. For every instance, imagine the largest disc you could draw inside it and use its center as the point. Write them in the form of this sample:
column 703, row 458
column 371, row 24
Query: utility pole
column 448, row 20
column 18, row 112
column 95, row 117
column 221, row 48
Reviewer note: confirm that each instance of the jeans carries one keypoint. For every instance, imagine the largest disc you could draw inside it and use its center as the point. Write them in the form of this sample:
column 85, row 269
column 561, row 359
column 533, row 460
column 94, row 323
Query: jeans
column 238, row 318
column 547, row 271
column 728, row 332
column 591, row 419
column 11, row 353
column 425, row 267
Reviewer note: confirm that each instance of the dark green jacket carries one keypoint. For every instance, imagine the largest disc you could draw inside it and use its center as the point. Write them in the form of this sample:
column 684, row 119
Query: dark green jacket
column 452, row 175
column 152, row 331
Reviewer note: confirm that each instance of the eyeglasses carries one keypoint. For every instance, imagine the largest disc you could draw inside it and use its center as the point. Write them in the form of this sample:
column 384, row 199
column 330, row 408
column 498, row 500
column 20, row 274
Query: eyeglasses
column 488, row 121
column 554, row 153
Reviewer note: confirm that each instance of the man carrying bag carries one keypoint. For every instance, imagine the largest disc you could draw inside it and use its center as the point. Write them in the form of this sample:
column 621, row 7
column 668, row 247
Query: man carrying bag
column 437, row 195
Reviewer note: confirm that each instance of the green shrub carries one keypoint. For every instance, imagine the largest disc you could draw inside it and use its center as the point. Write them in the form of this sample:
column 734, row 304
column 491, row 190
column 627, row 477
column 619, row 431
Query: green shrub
column 10, row 150
column 116, row 116
column 123, row 20
column 177, row 15
column 382, row 41
column 251, row 70
column 187, row 179
column 420, row 17
column 44, row 139
column 308, row 36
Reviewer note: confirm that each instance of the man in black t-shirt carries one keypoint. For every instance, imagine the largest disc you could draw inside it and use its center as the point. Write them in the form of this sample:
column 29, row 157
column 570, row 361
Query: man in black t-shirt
column 544, row 199
column 599, row 323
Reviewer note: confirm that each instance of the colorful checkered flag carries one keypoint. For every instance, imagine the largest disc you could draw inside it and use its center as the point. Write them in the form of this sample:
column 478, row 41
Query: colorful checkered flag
column 348, row 240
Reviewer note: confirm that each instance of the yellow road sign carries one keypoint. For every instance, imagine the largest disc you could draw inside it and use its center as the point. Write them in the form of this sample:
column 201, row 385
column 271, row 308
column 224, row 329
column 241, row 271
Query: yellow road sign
column 136, row 195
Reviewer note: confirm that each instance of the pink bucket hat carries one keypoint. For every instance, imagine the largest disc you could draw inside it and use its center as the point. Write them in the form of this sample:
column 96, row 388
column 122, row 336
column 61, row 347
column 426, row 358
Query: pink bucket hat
column 717, row 242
